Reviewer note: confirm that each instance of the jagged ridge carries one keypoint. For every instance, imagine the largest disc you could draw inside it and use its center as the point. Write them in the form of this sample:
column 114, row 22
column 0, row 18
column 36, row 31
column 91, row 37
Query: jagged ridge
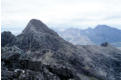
column 42, row 52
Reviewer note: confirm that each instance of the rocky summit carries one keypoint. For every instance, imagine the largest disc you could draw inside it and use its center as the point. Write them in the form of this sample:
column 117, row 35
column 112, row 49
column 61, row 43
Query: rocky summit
column 39, row 53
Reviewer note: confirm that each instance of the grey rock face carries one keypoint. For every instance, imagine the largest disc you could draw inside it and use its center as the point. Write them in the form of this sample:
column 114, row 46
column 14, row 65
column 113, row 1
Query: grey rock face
column 38, row 26
column 7, row 39
column 103, row 60
column 40, row 54
column 38, row 36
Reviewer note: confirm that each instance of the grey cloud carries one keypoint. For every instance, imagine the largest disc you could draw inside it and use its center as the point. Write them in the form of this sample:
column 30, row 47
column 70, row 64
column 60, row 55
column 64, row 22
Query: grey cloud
column 73, row 12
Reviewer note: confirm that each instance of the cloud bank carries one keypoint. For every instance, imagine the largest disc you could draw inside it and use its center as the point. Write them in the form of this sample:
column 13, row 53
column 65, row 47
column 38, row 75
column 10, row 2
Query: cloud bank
column 74, row 13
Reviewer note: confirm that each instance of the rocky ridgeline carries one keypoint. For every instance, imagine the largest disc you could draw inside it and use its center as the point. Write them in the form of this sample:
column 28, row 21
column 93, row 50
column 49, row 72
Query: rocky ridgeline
column 39, row 53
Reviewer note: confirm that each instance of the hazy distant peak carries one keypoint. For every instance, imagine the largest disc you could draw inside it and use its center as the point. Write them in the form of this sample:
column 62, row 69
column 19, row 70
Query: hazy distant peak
column 102, row 27
column 99, row 25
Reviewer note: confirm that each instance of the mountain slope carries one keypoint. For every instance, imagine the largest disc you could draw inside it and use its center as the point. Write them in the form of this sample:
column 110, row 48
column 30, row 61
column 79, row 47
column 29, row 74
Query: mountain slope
column 37, row 36
column 40, row 53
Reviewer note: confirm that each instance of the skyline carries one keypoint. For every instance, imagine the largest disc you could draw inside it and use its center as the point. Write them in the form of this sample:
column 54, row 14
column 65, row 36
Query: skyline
column 62, row 14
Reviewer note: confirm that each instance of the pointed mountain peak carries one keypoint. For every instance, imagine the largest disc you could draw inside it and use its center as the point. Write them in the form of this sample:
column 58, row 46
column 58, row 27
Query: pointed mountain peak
column 37, row 26
column 35, row 22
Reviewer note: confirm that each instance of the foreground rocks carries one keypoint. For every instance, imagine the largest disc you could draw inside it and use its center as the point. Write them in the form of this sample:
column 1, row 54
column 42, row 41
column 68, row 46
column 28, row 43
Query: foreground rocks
column 7, row 39
column 20, row 66
column 39, row 53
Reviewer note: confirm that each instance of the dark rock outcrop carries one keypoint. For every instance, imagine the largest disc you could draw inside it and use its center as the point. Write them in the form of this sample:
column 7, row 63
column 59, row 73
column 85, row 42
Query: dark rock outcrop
column 105, row 44
column 20, row 66
column 7, row 39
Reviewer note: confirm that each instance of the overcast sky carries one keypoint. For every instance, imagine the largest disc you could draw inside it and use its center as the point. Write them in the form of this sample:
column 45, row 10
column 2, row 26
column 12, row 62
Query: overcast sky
column 61, row 13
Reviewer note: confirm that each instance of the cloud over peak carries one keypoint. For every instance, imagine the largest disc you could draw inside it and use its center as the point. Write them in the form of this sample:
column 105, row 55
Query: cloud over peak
column 53, row 12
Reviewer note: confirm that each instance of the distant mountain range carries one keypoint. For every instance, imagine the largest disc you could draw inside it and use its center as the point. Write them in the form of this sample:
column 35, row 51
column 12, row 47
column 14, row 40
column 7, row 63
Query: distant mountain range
column 97, row 35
